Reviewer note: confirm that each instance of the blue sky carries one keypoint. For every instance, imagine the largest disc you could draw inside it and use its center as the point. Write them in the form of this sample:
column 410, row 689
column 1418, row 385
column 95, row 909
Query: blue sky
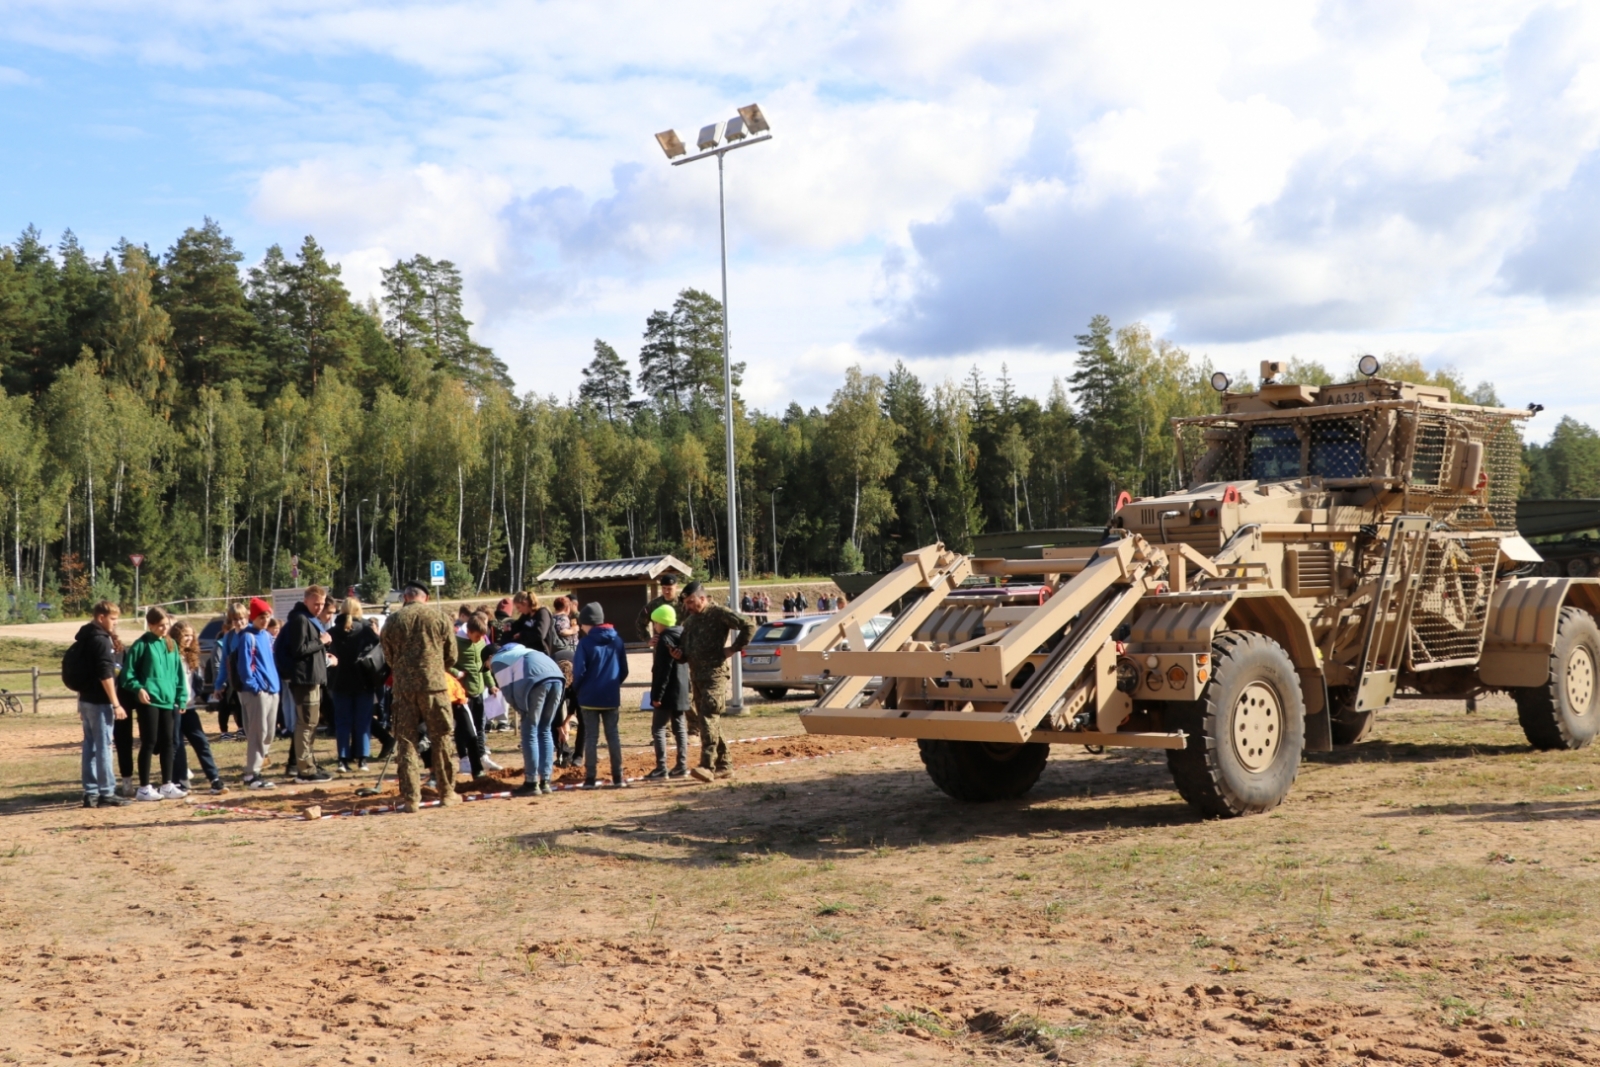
column 950, row 184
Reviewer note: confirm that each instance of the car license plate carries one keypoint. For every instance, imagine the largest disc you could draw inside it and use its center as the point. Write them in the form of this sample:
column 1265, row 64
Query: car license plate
column 758, row 661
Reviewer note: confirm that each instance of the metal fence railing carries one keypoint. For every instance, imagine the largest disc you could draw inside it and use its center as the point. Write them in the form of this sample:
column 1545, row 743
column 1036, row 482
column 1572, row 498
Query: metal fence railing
column 10, row 702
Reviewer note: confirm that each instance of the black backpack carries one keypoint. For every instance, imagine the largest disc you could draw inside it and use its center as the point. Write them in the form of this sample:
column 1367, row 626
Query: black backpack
column 72, row 667
column 372, row 665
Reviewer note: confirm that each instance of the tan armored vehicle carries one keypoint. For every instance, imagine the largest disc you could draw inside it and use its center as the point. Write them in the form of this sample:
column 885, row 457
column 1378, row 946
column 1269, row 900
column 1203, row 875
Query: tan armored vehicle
column 1333, row 545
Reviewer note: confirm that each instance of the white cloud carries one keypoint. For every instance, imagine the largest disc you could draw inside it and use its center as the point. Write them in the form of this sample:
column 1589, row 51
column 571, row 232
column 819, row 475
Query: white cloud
column 368, row 219
column 949, row 183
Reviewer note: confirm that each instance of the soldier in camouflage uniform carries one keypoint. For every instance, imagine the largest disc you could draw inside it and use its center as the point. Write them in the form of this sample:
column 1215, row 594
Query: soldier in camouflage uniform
column 706, row 650
column 669, row 590
column 420, row 647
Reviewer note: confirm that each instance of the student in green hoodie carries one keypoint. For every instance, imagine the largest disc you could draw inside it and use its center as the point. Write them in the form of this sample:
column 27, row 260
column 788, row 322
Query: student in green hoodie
column 153, row 671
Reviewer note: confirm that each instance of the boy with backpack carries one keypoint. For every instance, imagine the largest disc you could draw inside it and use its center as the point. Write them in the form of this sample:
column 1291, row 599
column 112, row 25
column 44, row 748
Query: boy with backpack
column 88, row 668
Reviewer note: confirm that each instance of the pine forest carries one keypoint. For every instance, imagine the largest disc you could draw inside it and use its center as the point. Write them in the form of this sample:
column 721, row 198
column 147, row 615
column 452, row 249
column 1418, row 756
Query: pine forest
column 244, row 427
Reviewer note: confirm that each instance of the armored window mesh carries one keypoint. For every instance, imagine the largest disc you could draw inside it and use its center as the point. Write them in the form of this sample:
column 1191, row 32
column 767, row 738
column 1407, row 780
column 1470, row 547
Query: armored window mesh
column 1452, row 604
column 1337, row 448
column 1432, row 446
column 1440, row 442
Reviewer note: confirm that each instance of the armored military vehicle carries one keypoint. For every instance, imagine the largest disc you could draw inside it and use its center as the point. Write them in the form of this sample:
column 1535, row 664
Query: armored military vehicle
column 1332, row 545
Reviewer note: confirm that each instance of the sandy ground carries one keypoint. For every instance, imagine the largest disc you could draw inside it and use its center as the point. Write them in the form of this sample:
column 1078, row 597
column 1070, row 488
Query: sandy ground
column 1423, row 898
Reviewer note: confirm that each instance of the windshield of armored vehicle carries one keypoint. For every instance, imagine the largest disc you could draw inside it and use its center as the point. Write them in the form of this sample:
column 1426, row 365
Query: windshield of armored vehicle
column 1333, row 449
column 1274, row 453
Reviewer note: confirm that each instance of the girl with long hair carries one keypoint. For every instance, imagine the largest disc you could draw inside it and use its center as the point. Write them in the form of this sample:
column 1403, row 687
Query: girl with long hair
column 189, row 726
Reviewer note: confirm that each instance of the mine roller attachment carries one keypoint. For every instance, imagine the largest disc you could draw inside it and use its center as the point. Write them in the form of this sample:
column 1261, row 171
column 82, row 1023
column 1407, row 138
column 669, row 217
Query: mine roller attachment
column 979, row 771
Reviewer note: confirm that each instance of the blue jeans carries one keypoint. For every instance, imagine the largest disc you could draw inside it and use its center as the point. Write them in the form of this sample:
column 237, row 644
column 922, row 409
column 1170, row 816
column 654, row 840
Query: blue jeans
column 99, row 779
column 352, row 725
column 538, row 726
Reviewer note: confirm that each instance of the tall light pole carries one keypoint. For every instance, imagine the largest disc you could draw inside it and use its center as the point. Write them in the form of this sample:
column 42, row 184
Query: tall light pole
column 361, row 568
column 775, row 491
column 718, row 139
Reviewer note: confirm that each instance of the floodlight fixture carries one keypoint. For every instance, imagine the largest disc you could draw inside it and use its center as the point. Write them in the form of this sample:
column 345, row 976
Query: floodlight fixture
column 754, row 120
column 718, row 139
column 1369, row 365
column 1220, row 382
column 710, row 136
column 671, row 143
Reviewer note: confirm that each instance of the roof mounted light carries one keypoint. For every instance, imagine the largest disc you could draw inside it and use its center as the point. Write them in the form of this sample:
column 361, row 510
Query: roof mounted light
column 1220, row 382
column 1369, row 365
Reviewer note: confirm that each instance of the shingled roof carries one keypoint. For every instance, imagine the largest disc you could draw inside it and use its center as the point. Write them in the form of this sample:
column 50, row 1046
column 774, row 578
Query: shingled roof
column 640, row 568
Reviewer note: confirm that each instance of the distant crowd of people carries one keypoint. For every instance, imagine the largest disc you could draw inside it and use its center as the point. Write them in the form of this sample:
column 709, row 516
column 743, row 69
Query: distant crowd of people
column 424, row 689
column 759, row 605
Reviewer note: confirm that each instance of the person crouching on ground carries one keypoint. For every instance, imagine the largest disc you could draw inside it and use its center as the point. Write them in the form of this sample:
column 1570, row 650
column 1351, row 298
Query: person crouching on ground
column 669, row 692
column 97, row 705
column 707, row 652
column 420, row 648
column 154, row 673
column 190, row 728
column 536, row 696
column 254, row 675
column 599, row 667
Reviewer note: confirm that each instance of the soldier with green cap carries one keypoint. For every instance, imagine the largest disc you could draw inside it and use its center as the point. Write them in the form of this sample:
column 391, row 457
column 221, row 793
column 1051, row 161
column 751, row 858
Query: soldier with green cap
column 707, row 652
column 669, row 595
column 669, row 692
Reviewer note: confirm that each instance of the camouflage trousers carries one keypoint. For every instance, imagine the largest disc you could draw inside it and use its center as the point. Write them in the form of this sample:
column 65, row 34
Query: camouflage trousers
column 410, row 709
column 710, row 698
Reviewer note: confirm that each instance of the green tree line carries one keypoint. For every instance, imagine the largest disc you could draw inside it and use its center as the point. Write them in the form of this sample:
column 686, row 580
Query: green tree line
column 241, row 426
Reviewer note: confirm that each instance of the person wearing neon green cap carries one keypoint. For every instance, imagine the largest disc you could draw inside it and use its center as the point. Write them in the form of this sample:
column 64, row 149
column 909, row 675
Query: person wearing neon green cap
column 669, row 692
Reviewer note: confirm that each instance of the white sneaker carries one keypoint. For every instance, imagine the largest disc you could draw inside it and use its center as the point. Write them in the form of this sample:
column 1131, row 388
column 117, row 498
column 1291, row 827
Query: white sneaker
column 147, row 792
column 172, row 792
column 491, row 765
column 261, row 783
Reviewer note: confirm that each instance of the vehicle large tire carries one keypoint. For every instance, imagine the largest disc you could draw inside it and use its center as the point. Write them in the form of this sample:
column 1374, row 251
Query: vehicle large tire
column 978, row 771
column 1565, row 711
column 1246, row 731
column 1348, row 727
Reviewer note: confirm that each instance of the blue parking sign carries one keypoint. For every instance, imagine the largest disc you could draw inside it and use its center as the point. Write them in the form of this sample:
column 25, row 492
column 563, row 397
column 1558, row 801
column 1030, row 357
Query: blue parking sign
column 436, row 572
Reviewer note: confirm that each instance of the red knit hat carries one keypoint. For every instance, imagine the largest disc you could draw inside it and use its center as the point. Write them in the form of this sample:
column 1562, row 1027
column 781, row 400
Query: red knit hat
column 259, row 607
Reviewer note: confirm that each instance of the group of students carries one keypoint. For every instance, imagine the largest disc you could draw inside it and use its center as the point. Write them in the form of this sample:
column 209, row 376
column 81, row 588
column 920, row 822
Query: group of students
column 155, row 682
column 544, row 686
column 551, row 666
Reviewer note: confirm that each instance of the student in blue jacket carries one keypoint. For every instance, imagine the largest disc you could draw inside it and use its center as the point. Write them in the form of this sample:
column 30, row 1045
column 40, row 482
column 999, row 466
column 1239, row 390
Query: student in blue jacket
column 599, row 667
column 256, row 673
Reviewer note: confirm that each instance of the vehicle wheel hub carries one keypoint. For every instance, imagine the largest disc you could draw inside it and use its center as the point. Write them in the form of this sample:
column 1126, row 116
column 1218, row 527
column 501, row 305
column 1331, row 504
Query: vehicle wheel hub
column 1580, row 681
column 1256, row 726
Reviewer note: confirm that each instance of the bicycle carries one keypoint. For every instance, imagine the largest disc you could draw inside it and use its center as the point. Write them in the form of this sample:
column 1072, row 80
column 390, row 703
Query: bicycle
column 9, row 702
